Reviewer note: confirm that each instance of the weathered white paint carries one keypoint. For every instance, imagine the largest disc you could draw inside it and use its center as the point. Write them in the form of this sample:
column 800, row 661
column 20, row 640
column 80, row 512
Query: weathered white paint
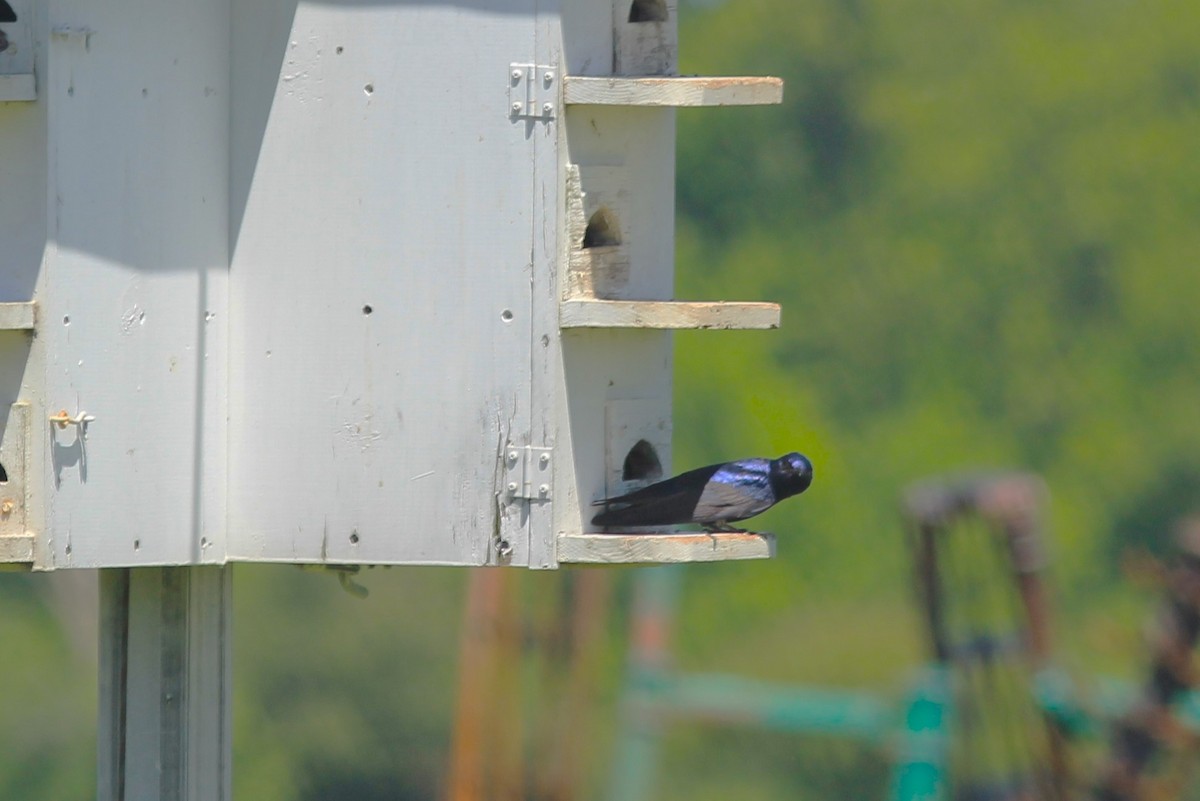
column 310, row 286
column 133, row 287
column 624, row 160
column 672, row 91
column 23, row 214
column 578, row 313
column 17, row 549
column 646, row 47
column 14, row 496
column 18, row 316
column 663, row 548
column 597, row 193
column 16, row 88
column 372, row 404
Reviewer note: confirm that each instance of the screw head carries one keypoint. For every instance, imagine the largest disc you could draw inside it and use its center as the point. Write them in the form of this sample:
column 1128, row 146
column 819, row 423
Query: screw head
column 512, row 486
column 7, row 507
column 548, row 77
column 544, row 489
column 547, row 108
column 544, row 459
column 512, row 456
column 516, row 108
column 516, row 75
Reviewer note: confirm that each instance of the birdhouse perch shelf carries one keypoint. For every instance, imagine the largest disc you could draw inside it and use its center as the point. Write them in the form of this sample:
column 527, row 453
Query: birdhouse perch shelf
column 18, row 316
column 668, row 314
column 673, row 91
column 663, row 548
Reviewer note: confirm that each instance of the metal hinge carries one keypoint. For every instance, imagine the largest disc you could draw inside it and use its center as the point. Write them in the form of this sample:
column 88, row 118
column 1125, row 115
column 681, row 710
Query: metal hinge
column 528, row 473
column 532, row 91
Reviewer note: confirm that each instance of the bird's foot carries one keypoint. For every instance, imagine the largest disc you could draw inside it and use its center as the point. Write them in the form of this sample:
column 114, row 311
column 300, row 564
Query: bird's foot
column 724, row 528
column 712, row 529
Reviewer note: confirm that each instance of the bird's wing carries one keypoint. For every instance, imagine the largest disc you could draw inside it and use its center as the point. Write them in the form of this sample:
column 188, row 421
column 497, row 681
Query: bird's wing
column 665, row 503
column 664, row 510
column 721, row 502
column 688, row 482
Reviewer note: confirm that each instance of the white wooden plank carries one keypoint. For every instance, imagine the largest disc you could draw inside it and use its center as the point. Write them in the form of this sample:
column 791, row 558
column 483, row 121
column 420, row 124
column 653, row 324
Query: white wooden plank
column 16, row 549
column 672, row 91
column 133, row 297
column 544, row 345
column 17, row 316
column 672, row 314
column 14, row 495
column 382, row 294
column 17, row 88
column 605, row 365
column 663, row 548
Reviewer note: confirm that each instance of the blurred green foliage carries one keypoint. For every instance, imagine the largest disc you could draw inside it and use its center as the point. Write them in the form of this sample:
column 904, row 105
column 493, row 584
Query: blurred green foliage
column 982, row 222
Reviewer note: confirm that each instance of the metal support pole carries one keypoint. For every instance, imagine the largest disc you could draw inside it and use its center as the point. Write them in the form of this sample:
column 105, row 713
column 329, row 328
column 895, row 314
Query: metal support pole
column 165, row 684
column 656, row 591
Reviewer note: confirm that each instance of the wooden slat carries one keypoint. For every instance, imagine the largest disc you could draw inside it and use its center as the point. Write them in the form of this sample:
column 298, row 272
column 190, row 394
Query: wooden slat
column 16, row 549
column 17, row 316
column 589, row 313
column 21, row 87
column 663, row 548
column 673, row 91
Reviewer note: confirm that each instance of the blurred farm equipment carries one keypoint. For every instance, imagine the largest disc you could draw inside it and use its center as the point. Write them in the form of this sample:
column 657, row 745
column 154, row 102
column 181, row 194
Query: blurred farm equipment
column 991, row 717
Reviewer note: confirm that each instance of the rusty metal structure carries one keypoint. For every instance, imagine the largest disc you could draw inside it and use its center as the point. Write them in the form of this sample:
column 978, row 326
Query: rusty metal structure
column 979, row 554
column 1151, row 732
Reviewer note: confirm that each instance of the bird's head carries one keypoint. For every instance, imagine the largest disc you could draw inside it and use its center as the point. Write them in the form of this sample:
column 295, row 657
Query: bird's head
column 791, row 474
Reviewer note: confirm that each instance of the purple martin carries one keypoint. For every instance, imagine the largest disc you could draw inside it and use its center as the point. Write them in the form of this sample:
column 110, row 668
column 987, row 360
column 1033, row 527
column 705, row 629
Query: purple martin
column 712, row 496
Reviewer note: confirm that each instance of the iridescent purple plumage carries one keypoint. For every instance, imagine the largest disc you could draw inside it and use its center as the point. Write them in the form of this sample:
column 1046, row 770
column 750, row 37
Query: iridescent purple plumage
column 712, row 496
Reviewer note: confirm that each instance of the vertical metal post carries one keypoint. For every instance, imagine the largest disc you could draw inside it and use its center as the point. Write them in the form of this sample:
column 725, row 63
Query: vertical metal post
column 165, row 684
column 656, row 591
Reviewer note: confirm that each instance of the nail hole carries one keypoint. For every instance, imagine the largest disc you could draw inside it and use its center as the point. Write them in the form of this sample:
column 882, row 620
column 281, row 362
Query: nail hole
column 648, row 11
column 68, row 549
column 66, row 319
column 354, row 538
column 506, row 316
column 602, row 230
column 339, row 50
column 204, row 542
column 137, row 545
column 367, row 310
column 641, row 463
column 369, row 88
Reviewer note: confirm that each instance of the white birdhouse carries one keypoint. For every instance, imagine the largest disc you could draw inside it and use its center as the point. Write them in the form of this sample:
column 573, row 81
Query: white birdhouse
column 375, row 283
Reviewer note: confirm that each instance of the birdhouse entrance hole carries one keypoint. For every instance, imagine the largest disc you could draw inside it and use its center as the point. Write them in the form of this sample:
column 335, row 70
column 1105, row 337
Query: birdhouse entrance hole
column 648, row 11
column 602, row 230
column 3, row 474
column 641, row 463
